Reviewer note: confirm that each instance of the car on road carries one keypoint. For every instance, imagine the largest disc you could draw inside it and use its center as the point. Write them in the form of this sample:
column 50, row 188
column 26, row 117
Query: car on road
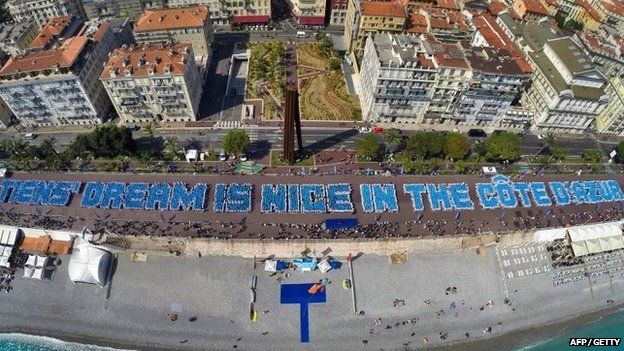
column 222, row 156
column 540, row 136
column 365, row 130
column 30, row 136
column 378, row 130
column 302, row 34
column 243, row 157
column 477, row 133
column 346, row 284
column 133, row 127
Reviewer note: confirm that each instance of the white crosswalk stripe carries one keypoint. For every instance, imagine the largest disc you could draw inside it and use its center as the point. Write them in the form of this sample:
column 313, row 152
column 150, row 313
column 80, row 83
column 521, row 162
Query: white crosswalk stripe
column 228, row 124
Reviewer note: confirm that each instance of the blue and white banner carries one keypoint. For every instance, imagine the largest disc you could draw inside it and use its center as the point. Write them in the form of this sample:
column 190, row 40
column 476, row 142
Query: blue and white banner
column 499, row 193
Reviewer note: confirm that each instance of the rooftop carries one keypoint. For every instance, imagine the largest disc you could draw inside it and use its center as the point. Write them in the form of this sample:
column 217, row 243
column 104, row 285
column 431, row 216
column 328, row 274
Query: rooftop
column 599, row 43
column 447, row 4
column 161, row 19
column 447, row 19
column 418, row 23
column 403, row 49
column 571, row 55
column 493, row 61
column 558, row 83
column 614, row 7
column 147, row 60
column 62, row 55
column 9, row 31
column 55, row 28
column 447, row 54
column 497, row 7
column 383, row 9
column 535, row 6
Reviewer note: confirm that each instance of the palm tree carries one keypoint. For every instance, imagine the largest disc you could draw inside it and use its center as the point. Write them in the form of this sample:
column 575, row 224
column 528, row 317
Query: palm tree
column 172, row 145
column 393, row 138
column 149, row 129
column 47, row 146
column 550, row 142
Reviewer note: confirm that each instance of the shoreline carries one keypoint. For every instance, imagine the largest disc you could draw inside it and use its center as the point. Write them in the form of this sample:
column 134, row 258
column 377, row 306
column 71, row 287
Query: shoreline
column 517, row 339
column 508, row 341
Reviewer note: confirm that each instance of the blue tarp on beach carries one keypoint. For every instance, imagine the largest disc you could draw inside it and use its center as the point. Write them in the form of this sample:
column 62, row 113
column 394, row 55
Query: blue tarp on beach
column 341, row 223
column 298, row 294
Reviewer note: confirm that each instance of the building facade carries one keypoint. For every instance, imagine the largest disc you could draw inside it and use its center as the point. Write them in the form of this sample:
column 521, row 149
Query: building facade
column 132, row 9
column 15, row 37
column 182, row 25
column 370, row 17
column 397, row 78
column 338, row 12
column 153, row 82
column 248, row 12
column 60, row 86
column 101, row 8
column 218, row 15
column 567, row 92
column 309, row 12
column 43, row 10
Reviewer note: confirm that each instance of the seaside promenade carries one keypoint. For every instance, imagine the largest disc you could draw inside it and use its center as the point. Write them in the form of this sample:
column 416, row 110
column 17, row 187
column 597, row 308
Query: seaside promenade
column 215, row 289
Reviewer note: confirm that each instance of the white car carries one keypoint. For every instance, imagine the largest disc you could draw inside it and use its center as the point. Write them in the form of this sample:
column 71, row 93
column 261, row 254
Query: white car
column 222, row 156
column 365, row 130
column 540, row 137
column 243, row 157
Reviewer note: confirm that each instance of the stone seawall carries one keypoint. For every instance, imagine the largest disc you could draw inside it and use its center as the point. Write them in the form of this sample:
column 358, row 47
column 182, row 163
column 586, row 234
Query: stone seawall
column 250, row 248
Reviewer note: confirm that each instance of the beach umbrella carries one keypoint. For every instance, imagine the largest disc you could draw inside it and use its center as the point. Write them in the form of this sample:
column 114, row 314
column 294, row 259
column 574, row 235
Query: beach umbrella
column 38, row 211
column 368, row 171
column 420, row 216
column 457, row 215
column 303, row 171
column 335, row 169
column 549, row 213
column 162, row 217
column 597, row 207
column 502, row 215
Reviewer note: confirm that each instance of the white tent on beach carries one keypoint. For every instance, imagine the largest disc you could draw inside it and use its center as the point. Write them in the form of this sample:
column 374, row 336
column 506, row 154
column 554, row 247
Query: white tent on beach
column 90, row 264
column 595, row 238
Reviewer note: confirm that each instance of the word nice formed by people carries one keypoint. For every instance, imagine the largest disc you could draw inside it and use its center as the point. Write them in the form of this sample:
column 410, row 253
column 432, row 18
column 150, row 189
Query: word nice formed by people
column 499, row 193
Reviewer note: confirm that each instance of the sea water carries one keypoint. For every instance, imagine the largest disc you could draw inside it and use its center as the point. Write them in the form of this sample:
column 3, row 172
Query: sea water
column 609, row 326
column 23, row 342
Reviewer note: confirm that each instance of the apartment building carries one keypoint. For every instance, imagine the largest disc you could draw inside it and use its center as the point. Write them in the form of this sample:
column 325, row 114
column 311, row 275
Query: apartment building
column 248, row 12
column 567, row 93
column 218, row 13
column 132, row 9
column 448, row 25
column 613, row 13
column 607, row 54
column 182, row 25
column 60, row 86
column 15, row 37
column 580, row 11
column 368, row 17
column 454, row 73
column 309, row 12
column 153, row 82
column 43, row 10
column 338, row 12
column 397, row 79
column 531, row 10
column 497, row 82
column 101, row 8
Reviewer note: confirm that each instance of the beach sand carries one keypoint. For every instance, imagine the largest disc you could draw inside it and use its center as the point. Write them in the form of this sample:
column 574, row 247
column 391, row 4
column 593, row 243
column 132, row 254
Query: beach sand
column 216, row 290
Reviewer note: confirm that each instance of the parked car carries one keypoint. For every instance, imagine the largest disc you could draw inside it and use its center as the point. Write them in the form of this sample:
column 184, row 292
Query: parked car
column 30, row 136
column 346, row 284
column 378, row 130
column 365, row 130
column 477, row 133
column 243, row 157
column 222, row 156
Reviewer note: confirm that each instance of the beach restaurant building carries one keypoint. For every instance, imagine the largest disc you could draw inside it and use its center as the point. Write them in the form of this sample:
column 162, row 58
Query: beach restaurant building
column 595, row 238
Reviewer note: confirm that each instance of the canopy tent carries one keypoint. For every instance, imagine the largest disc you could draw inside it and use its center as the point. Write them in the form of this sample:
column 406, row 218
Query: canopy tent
column 594, row 238
column 89, row 264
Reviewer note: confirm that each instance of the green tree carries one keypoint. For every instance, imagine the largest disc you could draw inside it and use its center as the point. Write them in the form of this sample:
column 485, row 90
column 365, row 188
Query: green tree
column 46, row 149
column 108, row 140
column 425, row 145
column 235, row 142
column 172, row 146
column 393, row 138
column 456, row 146
column 367, row 147
column 592, row 156
column 559, row 153
column 503, row 146
column 334, row 64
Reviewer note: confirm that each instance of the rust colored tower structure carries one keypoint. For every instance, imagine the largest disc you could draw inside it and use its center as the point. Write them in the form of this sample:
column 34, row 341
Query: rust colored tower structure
column 292, row 125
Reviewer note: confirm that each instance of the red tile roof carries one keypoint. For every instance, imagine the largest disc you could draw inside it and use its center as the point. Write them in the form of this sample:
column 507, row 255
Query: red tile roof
column 383, row 9
column 615, row 7
column 447, row 19
column 535, row 6
column 139, row 61
column 176, row 18
column 590, row 9
column 497, row 7
column 447, row 4
column 552, row 3
column 52, row 29
column 417, row 23
column 63, row 56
